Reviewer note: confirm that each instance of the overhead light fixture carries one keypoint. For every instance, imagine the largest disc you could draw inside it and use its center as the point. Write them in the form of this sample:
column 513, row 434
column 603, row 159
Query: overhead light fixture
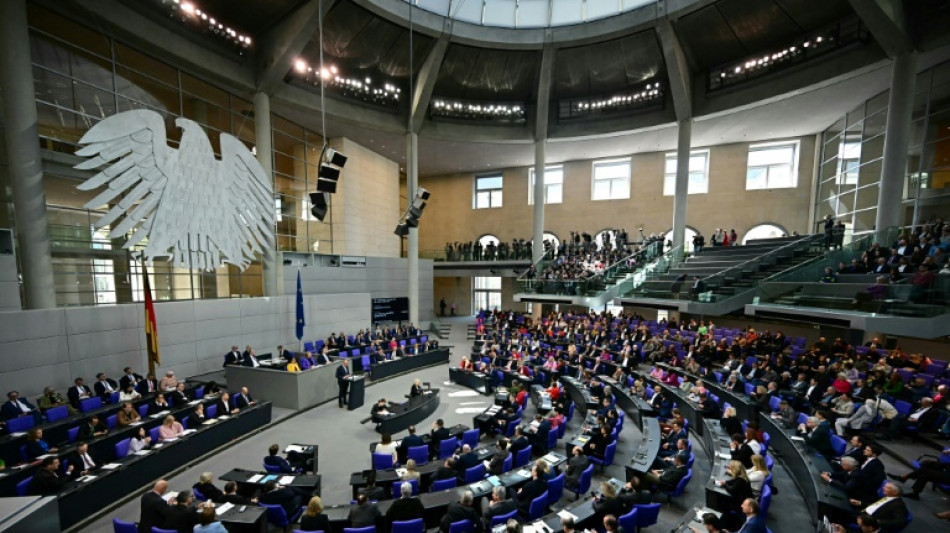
column 410, row 219
column 424, row 194
column 402, row 230
column 327, row 186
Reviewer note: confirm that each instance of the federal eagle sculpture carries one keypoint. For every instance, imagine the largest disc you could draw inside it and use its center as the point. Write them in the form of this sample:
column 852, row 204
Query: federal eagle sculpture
column 196, row 211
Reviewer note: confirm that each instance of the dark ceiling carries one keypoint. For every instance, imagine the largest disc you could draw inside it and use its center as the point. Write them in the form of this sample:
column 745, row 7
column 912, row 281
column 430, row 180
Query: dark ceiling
column 474, row 73
column 252, row 17
column 601, row 68
column 728, row 30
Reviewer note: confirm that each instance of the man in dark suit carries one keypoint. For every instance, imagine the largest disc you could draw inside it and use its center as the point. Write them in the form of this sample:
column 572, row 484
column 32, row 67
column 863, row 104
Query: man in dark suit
column 754, row 523
column 540, row 441
column 283, row 354
column 364, row 513
column 342, row 380
column 785, row 416
column 159, row 404
column 47, row 480
column 16, row 407
column 129, row 377
column 234, row 357
column 461, row 510
column 285, row 497
column 708, row 407
column 447, row 470
column 496, row 465
column 275, row 460
column 154, row 509
column 148, row 385
column 105, row 386
column 519, row 441
column 92, row 428
column 531, row 490
column 250, row 359
column 409, row 441
column 817, row 433
column 83, row 460
column 467, row 459
column 323, row 358
column 181, row 516
column 178, row 396
column 890, row 511
column 436, row 436
column 849, row 480
column 499, row 505
column 243, row 399
column 575, row 467
column 667, row 480
column 79, row 391
column 406, row 507
column 231, row 496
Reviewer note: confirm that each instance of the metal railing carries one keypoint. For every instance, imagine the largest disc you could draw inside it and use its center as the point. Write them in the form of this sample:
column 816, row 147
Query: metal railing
column 812, row 269
column 899, row 299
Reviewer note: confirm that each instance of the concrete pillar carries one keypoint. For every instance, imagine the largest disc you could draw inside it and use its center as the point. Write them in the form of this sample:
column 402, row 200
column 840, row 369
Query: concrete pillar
column 23, row 153
column 265, row 155
column 893, row 169
column 537, row 240
column 412, row 178
column 682, row 182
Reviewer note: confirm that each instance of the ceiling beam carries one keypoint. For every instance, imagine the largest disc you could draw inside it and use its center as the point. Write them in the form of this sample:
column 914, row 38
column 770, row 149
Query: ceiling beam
column 543, row 101
column 425, row 81
column 888, row 24
column 677, row 69
column 281, row 46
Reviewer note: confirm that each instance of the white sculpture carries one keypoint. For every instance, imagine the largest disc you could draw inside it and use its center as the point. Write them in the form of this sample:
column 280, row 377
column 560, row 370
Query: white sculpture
column 195, row 210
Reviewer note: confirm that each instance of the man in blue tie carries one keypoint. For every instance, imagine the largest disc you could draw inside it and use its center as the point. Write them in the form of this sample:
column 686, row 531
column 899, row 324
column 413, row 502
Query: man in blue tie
column 753, row 522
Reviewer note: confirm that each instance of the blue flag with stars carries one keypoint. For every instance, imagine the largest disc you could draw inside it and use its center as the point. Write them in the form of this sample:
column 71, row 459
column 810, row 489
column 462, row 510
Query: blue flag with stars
column 300, row 320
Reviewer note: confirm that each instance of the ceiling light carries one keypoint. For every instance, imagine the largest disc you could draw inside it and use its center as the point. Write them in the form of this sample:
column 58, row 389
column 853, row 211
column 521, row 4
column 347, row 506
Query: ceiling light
column 300, row 65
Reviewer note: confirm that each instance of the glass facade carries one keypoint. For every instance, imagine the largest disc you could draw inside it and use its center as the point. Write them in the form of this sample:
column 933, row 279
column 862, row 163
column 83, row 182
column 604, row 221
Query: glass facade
column 852, row 154
column 82, row 77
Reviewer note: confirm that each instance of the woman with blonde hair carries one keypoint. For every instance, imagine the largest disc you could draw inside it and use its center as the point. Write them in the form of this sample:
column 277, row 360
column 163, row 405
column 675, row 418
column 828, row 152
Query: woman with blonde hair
column 314, row 519
column 170, row 429
column 411, row 472
column 737, row 485
column 757, row 474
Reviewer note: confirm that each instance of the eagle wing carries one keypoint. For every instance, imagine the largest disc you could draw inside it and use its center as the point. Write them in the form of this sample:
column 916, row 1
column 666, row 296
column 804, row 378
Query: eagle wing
column 133, row 146
column 247, row 213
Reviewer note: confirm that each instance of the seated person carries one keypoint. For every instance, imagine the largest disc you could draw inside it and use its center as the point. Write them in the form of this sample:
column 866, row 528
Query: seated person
column 231, row 496
column 416, row 389
column 314, row 519
column 15, row 407
column 178, row 396
column 406, row 507
column 170, row 429
column 51, row 399
column 286, row 497
column 373, row 492
column 208, row 522
column 597, row 446
column 465, row 460
column 47, row 479
column 364, row 513
column 388, row 446
column 274, row 459
column 159, row 404
column 198, row 417
column 532, row 489
column 83, row 460
column 126, row 416
column 497, row 462
column 666, row 480
column 129, row 394
column 181, row 516
column 205, row 487
column 380, row 410
column 409, row 441
column 92, row 428
column 224, row 406
column 139, row 440
column 499, row 505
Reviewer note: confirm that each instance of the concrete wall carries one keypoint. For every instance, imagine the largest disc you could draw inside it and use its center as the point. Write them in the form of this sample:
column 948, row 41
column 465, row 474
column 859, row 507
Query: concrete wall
column 51, row 347
column 9, row 283
column 450, row 216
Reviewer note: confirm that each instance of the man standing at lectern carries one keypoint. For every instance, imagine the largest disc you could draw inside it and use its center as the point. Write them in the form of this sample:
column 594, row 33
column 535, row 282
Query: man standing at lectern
column 342, row 379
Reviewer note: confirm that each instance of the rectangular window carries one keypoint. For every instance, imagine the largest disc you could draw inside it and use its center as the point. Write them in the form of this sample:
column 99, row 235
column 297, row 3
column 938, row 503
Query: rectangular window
column 486, row 293
column 698, row 173
column 610, row 180
column 849, row 161
column 553, row 185
column 772, row 166
column 487, row 192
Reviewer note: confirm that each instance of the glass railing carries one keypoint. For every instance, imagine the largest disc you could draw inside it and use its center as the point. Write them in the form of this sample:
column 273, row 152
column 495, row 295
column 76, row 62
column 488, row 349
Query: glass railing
column 905, row 298
column 812, row 269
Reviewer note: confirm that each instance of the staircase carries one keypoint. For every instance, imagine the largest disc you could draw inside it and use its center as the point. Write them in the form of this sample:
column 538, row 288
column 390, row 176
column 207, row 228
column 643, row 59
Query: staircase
column 441, row 329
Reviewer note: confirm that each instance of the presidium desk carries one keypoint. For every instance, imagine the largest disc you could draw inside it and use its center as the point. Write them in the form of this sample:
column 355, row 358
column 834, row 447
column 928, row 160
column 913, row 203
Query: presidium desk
column 307, row 388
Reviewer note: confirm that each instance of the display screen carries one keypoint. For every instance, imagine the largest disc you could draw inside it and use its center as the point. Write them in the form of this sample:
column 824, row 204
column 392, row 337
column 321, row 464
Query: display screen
column 390, row 310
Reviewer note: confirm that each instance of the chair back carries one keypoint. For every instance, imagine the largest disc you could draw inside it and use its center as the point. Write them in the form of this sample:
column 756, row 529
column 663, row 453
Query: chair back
column 774, row 403
column 765, row 500
column 475, row 473
column 538, row 506
column 508, row 463
column 122, row 448
column 555, row 488
column 397, row 488
column 71, row 434
column 366, row 363
column 628, row 522
column 511, row 427
column 561, row 430
column 143, row 410
column 211, row 411
column 502, row 518
column 583, row 484
column 272, row 469
column 160, row 530
column 462, row 526
column 522, row 457
column 111, row 421
column 198, row 495
column 681, row 486
column 552, row 439
column 276, row 515
column 383, row 461
column 419, row 454
column 114, row 398
column 20, row 423
column 447, row 447
column 839, row 445
column 57, row 413
column 444, row 484
column 471, row 437
column 408, row 526
column 90, row 404
column 367, row 529
column 691, row 460
column 609, row 453
column 648, row 514
column 23, row 486
column 121, row 526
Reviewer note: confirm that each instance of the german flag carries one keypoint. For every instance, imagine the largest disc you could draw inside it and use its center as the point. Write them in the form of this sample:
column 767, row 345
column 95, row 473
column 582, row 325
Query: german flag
column 151, row 326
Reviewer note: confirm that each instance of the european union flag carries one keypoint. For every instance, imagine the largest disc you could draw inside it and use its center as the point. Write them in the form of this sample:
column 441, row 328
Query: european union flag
column 300, row 320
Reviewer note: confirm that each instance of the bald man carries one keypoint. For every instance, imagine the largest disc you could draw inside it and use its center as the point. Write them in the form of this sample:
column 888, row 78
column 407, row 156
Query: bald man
column 154, row 509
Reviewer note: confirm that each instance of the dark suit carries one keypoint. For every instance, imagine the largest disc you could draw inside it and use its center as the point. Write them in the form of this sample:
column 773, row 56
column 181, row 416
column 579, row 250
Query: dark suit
column 250, row 360
column 75, row 392
column 236, row 499
column 241, row 401
column 541, row 436
column 284, row 497
column 154, row 407
column 606, row 506
column 405, row 509
column 79, row 465
column 497, row 465
column 321, row 522
column 233, row 358
column 101, row 388
column 45, row 482
column 363, row 515
column 88, row 432
column 11, row 410
column 209, row 491
column 458, row 512
column 518, row 444
column 129, row 379
column 530, row 491
column 820, row 439
column 181, row 518
column 466, row 461
column 756, row 524
column 435, row 437
column 176, row 398
column 409, row 441
column 143, row 386
column 892, row 515
column 153, row 512
column 195, row 420
column 322, row 359
column 575, row 467
column 670, row 478
column 501, row 508
column 343, row 383
column 280, row 462
column 744, row 455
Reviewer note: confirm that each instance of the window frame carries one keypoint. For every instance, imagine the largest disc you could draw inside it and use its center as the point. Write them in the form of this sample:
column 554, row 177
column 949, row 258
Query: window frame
column 594, row 180
column 793, row 164
column 491, row 192
column 547, row 185
column 667, row 176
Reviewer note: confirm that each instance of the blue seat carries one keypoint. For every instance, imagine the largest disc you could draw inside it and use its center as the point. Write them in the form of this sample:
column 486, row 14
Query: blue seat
column 471, row 437
column 271, row 469
column 153, row 433
column 765, row 500
column 444, row 484
column 211, row 411
column 502, row 518
column 114, row 398
column 508, row 464
column 608, row 456
column 121, row 526
column 367, row 529
column 122, row 448
column 555, row 488
column 198, row 495
column 839, row 445
column 774, row 403
column 160, row 530
column 647, row 515
column 24, row 486
column 90, row 404
column 510, row 430
column 278, row 517
column 680, row 487
column 552, row 439
column 475, row 473
column 308, row 346
column 462, row 526
column 397, row 488
column 583, row 484
column 691, row 460
column 447, row 447
column 111, row 421
column 364, row 360
column 57, row 413
column 561, row 430
column 538, row 507
column 628, row 522
column 199, row 393
column 143, row 410
column 383, row 461
column 419, row 454
column 408, row 526
column 523, row 457
column 71, row 434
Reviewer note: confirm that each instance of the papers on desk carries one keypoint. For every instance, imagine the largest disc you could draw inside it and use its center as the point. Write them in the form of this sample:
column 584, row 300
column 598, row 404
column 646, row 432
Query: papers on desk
column 160, row 414
column 583, row 438
column 223, row 417
column 550, row 458
column 170, row 496
column 564, row 514
column 524, row 473
column 170, row 439
column 723, row 455
column 221, row 509
column 111, row 466
column 209, row 421
column 494, row 481
column 295, row 448
column 194, row 402
column 189, row 431
column 401, row 472
column 286, row 480
column 142, row 452
column 704, row 510
column 83, row 479
column 255, row 478
column 18, row 434
column 138, row 422
column 493, row 409
column 798, row 439
column 44, row 456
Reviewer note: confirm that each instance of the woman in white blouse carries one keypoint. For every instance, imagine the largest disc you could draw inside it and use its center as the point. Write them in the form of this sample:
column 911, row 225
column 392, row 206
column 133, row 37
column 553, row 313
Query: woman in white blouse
column 757, row 474
column 139, row 440
column 387, row 446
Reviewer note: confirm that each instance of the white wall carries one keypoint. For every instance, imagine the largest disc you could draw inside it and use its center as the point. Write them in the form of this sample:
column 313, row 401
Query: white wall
column 51, row 347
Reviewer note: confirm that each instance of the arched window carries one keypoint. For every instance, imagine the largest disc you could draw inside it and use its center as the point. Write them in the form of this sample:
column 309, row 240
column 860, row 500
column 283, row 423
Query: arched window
column 485, row 239
column 687, row 240
column 763, row 231
column 552, row 238
column 599, row 238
